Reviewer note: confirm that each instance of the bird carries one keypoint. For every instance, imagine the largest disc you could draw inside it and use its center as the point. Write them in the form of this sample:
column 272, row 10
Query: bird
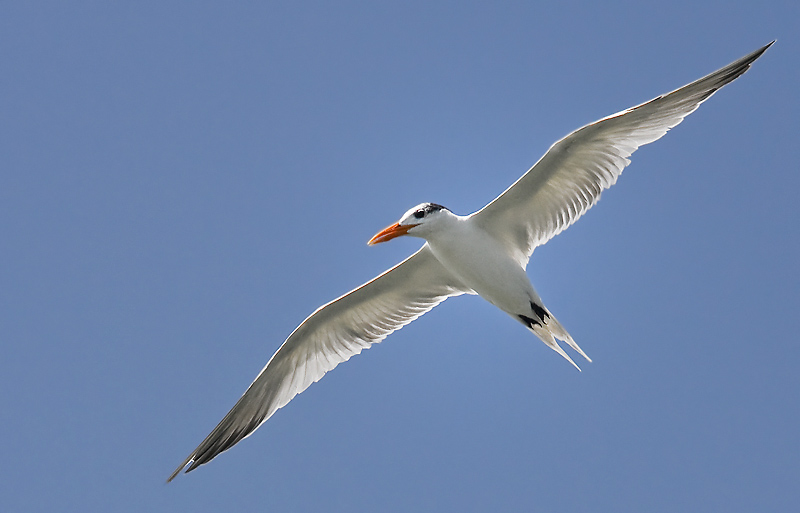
column 484, row 253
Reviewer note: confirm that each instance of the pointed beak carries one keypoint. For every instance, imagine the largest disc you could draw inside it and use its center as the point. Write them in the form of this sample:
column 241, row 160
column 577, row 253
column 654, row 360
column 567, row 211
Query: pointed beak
column 390, row 232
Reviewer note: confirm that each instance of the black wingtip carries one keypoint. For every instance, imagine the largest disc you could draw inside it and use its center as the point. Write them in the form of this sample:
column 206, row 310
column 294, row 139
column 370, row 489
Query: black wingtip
column 758, row 53
column 189, row 461
column 764, row 48
column 174, row 475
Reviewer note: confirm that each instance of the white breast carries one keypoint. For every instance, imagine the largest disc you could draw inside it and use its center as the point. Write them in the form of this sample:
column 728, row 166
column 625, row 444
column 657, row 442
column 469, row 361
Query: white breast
column 483, row 265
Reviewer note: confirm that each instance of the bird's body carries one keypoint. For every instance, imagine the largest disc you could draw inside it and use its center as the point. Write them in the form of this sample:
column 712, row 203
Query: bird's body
column 477, row 260
column 485, row 253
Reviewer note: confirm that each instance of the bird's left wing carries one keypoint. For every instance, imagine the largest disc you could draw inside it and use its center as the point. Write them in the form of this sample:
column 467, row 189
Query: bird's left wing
column 569, row 178
column 328, row 337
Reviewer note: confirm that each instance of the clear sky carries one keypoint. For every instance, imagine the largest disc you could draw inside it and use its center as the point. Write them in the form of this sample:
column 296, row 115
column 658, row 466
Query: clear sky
column 181, row 183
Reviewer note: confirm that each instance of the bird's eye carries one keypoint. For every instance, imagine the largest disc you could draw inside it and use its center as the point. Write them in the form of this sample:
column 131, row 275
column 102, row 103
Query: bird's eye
column 419, row 214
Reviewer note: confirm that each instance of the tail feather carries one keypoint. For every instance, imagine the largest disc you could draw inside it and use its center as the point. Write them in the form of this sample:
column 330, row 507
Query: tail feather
column 561, row 333
column 547, row 337
column 548, row 329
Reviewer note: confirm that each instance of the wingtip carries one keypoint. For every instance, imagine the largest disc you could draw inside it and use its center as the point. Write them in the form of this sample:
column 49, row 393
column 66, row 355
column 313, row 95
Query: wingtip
column 181, row 468
column 766, row 46
column 758, row 53
column 174, row 475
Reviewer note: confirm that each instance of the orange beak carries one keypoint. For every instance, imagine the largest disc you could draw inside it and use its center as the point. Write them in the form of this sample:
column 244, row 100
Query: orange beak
column 390, row 232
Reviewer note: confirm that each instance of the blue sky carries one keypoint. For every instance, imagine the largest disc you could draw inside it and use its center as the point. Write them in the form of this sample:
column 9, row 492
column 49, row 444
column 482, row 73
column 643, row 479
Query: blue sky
column 183, row 182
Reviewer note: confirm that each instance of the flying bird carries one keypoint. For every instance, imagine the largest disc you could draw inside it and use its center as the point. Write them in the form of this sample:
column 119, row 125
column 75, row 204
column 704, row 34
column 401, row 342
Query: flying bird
column 484, row 253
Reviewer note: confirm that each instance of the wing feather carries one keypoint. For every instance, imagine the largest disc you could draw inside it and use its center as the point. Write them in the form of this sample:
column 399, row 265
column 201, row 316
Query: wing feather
column 331, row 335
column 568, row 179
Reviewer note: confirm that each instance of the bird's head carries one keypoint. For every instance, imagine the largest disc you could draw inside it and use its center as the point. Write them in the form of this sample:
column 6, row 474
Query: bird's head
column 417, row 222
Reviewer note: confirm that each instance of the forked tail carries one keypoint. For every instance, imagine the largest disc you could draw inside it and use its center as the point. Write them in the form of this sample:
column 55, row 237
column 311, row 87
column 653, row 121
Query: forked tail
column 548, row 329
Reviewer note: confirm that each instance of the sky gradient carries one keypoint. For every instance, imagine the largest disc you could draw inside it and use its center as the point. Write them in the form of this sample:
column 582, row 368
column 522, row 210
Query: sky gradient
column 182, row 183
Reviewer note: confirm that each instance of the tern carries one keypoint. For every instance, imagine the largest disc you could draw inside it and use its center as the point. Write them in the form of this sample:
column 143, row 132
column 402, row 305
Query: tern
column 485, row 253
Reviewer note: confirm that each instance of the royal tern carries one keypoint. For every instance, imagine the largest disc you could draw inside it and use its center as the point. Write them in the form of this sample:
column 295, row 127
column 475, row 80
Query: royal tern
column 484, row 253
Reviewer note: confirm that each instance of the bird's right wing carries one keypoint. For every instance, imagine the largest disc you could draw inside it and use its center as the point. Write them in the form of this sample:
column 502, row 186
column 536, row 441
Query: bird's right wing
column 328, row 337
column 569, row 178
